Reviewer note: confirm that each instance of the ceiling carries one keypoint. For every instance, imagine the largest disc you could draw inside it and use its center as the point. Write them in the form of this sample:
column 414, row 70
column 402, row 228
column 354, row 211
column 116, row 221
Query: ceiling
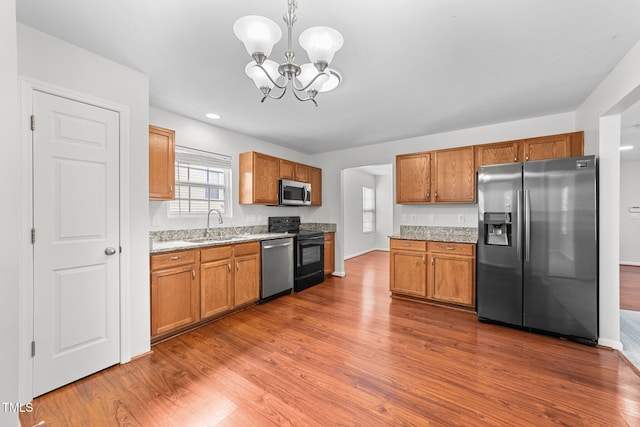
column 409, row 67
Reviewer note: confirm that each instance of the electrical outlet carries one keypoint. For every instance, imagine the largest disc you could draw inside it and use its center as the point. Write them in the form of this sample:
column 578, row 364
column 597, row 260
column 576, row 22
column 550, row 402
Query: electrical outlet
column 404, row 217
column 460, row 217
column 413, row 218
column 155, row 220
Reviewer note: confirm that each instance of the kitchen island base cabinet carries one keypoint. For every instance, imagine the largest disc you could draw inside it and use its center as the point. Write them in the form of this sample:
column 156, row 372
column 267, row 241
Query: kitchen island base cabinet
column 436, row 272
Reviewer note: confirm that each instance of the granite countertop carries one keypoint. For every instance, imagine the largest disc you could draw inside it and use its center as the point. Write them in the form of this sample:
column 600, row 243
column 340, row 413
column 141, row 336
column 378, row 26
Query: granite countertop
column 438, row 234
column 176, row 240
column 177, row 245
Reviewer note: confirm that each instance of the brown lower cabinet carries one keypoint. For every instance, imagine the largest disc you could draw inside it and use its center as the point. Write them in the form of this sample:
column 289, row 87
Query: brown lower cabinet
column 191, row 287
column 433, row 271
column 329, row 253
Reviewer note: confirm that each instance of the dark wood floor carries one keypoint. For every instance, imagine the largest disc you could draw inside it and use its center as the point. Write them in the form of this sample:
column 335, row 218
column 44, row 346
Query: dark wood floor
column 343, row 353
column 630, row 287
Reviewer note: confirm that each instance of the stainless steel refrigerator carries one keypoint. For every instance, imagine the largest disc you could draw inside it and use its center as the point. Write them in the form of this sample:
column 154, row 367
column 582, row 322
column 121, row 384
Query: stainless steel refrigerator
column 537, row 254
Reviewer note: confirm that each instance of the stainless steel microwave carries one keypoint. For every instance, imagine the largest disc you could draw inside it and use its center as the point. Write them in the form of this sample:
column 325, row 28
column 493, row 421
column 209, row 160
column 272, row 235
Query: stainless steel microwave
column 294, row 193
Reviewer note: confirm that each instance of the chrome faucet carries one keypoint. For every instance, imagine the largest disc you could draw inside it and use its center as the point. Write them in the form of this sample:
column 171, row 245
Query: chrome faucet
column 209, row 217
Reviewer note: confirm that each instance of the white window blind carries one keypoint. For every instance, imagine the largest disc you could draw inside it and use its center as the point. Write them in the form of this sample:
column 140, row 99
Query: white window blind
column 368, row 210
column 203, row 182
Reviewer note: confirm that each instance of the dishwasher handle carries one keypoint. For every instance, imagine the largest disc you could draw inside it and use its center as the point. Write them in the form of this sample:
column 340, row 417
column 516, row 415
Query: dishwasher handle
column 281, row 245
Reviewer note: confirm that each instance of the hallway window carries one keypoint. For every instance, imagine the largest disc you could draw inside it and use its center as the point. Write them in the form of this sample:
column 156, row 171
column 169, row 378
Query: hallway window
column 203, row 182
column 368, row 210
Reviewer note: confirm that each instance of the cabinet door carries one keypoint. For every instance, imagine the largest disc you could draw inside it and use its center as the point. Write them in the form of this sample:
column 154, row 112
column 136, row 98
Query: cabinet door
column 495, row 154
column 301, row 172
column 247, row 279
column 174, row 299
column 259, row 178
column 454, row 176
column 451, row 279
column 161, row 163
column 413, row 178
column 408, row 273
column 315, row 179
column 286, row 169
column 216, row 287
column 547, row 147
column 329, row 253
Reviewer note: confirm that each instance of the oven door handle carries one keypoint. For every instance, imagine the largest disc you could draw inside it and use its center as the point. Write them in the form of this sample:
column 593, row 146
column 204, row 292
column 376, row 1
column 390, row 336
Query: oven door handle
column 312, row 242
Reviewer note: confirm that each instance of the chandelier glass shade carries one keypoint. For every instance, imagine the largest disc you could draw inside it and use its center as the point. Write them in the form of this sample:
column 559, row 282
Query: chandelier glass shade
column 260, row 34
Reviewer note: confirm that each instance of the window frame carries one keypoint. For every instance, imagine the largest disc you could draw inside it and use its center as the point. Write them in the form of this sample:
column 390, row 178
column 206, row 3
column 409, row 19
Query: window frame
column 368, row 210
column 206, row 162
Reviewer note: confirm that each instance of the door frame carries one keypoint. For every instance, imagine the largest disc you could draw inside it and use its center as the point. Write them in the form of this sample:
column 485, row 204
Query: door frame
column 26, row 304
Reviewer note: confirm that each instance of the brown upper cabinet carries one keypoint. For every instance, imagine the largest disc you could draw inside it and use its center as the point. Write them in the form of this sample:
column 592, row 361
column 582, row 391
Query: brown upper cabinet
column 315, row 179
column 161, row 163
column 453, row 176
column 444, row 176
column 413, row 178
column 523, row 150
column 259, row 178
column 259, row 175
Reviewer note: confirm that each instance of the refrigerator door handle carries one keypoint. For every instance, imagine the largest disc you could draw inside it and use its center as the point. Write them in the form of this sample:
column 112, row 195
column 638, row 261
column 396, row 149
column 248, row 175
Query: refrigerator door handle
column 519, row 224
column 527, row 225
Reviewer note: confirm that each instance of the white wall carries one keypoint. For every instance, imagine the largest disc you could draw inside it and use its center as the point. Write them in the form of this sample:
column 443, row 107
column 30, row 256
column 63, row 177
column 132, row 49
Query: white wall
column 384, row 211
column 629, row 223
column 355, row 241
column 58, row 63
column 599, row 116
column 195, row 134
column 334, row 162
column 10, row 223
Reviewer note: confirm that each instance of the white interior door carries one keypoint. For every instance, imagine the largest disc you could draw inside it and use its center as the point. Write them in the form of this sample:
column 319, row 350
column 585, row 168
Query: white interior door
column 76, row 249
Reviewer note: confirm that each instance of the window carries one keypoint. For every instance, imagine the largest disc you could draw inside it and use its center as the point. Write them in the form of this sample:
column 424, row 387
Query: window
column 203, row 182
column 368, row 210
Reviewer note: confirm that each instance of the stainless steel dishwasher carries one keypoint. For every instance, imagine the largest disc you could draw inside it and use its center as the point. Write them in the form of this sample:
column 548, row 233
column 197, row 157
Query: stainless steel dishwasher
column 277, row 268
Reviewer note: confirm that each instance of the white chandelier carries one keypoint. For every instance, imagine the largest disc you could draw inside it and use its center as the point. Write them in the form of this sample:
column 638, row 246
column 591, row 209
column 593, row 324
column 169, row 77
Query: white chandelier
column 259, row 34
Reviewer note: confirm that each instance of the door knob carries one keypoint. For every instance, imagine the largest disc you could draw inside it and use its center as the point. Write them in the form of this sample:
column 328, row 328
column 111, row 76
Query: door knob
column 110, row 251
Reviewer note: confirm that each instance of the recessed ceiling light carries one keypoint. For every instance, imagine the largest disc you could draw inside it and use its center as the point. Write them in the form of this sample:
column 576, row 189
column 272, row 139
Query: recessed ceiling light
column 626, row 147
column 213, row 116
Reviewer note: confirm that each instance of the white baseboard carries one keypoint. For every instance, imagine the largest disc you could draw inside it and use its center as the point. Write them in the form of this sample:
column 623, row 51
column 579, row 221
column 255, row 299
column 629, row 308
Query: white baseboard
column 365, row 252
column 637, row 264
column 616, row 345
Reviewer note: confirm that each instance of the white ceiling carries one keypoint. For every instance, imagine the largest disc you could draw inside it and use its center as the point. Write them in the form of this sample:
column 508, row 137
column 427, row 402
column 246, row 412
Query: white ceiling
column 409, row 67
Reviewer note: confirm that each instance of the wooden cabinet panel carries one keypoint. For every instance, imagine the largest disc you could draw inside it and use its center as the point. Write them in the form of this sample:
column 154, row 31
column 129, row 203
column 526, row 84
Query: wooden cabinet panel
column 413, row 178
column 498, row 153
column 216, row 253
column 329, row 253
column 259, row 178
column 315, row 179
column 301, row 172
column 454, row 176
column 409, row 245
column 173, row 259
column 216, row 287
column 161, row 163
column 174, row 299
column 286, row 169
column 451, row 279
column 247, row 279
column 408, row 272
column 451, row 248
column 550, row 147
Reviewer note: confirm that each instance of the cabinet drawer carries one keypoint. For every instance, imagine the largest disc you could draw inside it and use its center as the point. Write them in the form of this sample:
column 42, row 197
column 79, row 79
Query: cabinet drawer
column 409, row 245
column 451, row 248
column 215, row 253
column 172, row 259
column 246, row 248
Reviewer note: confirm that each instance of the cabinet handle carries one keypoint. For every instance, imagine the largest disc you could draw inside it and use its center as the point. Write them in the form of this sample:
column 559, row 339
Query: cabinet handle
column 424, row 261
column 193, row 274
column 526, row 158
column 407, row 244
column 436, row 194
column 171, row 188
column 515, row 158
column 449, row 248
column 174, row 258
column 229, row 266
column 237, row 267
column 432, row 261
column 428, row 195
